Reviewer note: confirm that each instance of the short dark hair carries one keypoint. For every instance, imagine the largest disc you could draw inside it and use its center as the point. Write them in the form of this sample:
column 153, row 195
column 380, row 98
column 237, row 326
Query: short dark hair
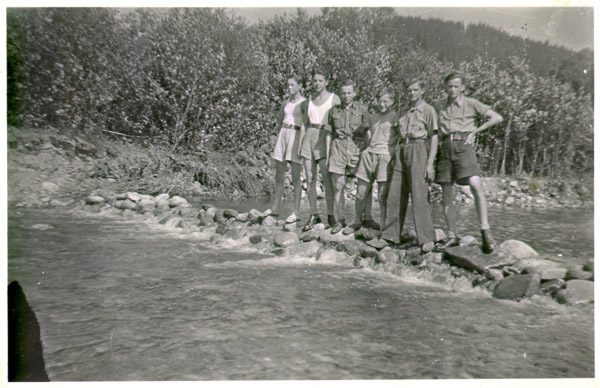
column 348, row 82
column 296, row 77
column 383, row 91
column 417, row 80
column 321, row 71
column 454, row 75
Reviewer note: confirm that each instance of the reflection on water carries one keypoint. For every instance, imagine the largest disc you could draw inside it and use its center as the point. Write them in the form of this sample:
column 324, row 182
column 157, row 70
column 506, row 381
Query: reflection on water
column 127, row 300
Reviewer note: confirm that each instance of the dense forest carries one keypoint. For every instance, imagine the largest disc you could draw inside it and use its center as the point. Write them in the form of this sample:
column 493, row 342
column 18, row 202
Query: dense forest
column 204, row 81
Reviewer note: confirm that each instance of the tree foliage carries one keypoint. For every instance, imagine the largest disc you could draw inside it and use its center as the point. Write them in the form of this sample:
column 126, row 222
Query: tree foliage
column 202, row 79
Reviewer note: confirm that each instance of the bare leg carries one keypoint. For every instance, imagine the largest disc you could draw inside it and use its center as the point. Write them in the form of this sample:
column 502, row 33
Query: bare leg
column 480, row 202
column 297, row 184
column 363, row 187
column 310, row 168
column 382, row 197
column 449, row 210
column 328, row 184
column 280, row 168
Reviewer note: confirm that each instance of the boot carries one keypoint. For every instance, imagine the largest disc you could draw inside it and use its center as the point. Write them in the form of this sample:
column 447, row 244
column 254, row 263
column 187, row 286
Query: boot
column 488, row 241
column 331, row 220
column 312, row 221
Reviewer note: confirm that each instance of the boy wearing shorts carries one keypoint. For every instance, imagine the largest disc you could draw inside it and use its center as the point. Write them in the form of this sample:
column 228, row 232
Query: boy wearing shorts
column 374, row 160
column 459, row 117
column 349, row 122
column 289, row 120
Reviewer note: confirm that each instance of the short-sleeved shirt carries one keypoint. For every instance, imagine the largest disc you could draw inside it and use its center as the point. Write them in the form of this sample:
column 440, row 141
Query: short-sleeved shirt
column 461, row 115
column 419, row 122
column 383, row 138
column 350, row 121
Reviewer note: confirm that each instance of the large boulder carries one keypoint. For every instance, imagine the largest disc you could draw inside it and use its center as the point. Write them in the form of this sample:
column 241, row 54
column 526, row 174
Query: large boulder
column 269, row 221
column 518, row 287
column 285, row 239
column 520, row 265
column 472, row 258
column 576, row 292
column 518, row 249
column 578, row 274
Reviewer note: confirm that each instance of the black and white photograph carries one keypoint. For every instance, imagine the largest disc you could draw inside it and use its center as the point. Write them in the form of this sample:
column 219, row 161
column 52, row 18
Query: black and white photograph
column 299, row 194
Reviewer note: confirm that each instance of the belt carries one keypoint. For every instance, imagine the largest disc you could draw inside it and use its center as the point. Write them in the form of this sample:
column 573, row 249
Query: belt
column 290, row 126
column 407, row 140
column 455, row 136
column 317, row 126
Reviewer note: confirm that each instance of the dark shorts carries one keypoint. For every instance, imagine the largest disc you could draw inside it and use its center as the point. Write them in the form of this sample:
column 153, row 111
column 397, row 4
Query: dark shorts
column 456, row 162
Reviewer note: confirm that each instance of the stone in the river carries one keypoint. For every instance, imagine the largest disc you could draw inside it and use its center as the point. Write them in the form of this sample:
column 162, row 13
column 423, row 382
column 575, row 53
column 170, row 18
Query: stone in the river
column 236, row 234
column 310, row 235
column 332, row 255
column 472, row 258
column 368, row 251
column 162, row 197
column 49, row 186
column 241, row 217
column 93, row 199
column 255, row 239
column 518, row 287
column 254, row 214
column 128, row 212
column 552, row 273
column 211, row 211
column 589, row 266
column 285, row 239
column 146, row 204
column 177, row 201
column 134, row 197
column 186, row 211
column 278, row 251
column 221, row 229
column 206, row 221
column 387, row 256
column 576, row 292
column 578, row 274
column 351, row 247
column 440, row 235
column 318, row 227
column 520, row 265
column 61, row 203
column 162, row 205
column 269, row 221
column 290, row 227
column 230, row 213
column 494, row 274
column 551, row 286
column 518, row 249
column 305, row 249
column 468, row 240
column 171, row 221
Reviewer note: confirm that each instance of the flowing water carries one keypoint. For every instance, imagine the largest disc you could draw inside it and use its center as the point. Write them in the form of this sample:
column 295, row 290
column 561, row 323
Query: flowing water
column 133, row 300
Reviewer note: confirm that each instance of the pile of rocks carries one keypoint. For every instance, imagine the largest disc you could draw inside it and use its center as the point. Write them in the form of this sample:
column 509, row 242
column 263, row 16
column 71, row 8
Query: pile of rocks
column 514, row 271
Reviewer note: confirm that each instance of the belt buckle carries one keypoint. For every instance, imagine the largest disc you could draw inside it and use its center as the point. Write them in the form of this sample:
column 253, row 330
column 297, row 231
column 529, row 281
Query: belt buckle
column 453, row 136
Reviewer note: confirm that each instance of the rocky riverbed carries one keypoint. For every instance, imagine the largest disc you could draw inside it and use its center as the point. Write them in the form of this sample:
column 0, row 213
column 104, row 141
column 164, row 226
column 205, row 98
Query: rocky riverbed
column 514, row 271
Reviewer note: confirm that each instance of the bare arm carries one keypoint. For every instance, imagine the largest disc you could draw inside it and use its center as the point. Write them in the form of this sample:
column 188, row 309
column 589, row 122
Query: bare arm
column 491, row 118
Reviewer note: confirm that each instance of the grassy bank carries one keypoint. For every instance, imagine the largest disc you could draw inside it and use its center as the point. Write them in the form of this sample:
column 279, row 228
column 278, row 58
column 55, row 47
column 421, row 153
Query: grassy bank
column 52, row 167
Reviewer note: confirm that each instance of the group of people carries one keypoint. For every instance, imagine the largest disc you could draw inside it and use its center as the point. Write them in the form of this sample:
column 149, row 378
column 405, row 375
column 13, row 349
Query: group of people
column 400, row 151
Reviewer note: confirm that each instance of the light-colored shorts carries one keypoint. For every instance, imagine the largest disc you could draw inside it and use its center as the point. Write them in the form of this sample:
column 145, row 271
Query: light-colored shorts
column 373, row 167
column 286, row 149
column 314, row 144
column 343, row 156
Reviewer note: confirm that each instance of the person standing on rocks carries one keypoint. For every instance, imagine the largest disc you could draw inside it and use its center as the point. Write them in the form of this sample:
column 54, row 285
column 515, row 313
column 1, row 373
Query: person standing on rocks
column 459, row 118
column 287, row 149
column 412, row 168
column 349, row 123
column 374, row 160
column 314, row 146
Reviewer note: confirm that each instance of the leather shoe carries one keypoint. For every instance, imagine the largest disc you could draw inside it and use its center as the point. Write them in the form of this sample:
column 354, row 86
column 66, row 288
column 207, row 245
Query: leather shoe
column 371, row 224
column 312, row 221
column 488, row 241
column 351, row 229
column 451, row 242
column 337, row 228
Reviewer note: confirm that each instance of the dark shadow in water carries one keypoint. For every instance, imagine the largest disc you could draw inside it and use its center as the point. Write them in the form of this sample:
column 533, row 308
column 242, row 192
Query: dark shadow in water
column 25, row 358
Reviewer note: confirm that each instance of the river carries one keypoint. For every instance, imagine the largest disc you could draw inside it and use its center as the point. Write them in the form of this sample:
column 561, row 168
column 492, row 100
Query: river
column 123, row 300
